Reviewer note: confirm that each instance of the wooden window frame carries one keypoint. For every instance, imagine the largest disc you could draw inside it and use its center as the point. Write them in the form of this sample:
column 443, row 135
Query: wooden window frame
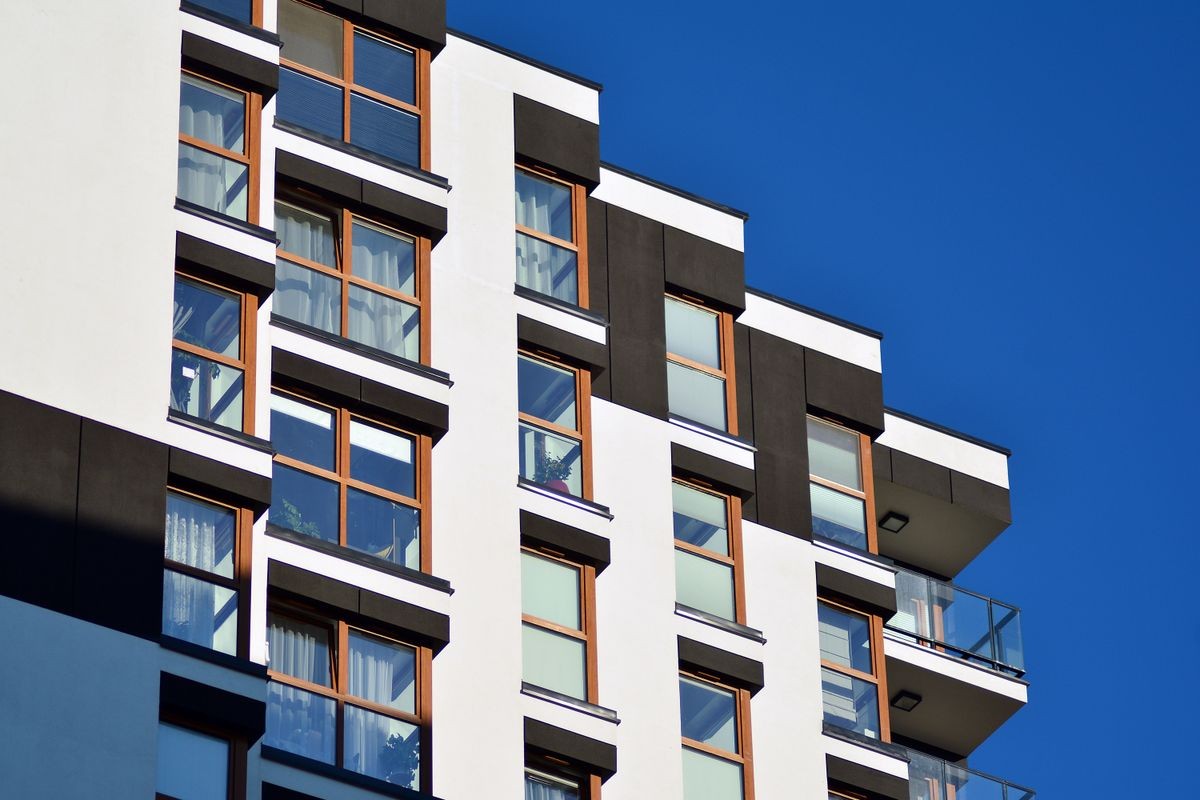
column 724, row 347
column 745, row 755
column 422, row 453
column 583, row 413
column 866, row 478
column 421, row 64
column 878, row 664
column 733, row 528
column 250, row 138
column 343, row 269
column 239, row 746
column 587, row 616
column 339, row 655
column 557, row 769
column 578, row 245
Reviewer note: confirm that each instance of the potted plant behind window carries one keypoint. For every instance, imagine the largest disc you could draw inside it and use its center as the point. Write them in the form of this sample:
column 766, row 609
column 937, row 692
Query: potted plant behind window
column 552, row 472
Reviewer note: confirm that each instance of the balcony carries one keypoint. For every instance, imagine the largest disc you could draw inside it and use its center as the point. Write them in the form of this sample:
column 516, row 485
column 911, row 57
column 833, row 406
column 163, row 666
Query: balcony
column 933, row 779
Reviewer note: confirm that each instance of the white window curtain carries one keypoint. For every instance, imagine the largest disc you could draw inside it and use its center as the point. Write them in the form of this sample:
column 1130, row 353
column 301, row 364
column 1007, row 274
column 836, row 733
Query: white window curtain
column 205, row 178
column 537, row 788
column 540, row 265
column 309, row 297
column 299, row 650
column 382, row 322
column 195, row 534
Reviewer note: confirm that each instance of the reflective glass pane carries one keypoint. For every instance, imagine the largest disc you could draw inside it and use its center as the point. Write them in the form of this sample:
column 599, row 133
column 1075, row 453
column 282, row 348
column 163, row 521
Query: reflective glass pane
column 204, row 389
column 308, row 297
column 305, row 234
column 383, row 257
column 310, row 37
column 543, row 787
column 696, row 395
column 544, row 206
column 312, row 104
column 385, row 130
column 191, row 765
column 208, row 317
column 303, row 503
column 214, row 182
column 234, row 9
column 383, row 672
column 963, row 784
column 554, row 661
column 1010, row 648
column 693, row 333
column 708, row 714
column 382, row 747
column 700, row 518
column 200, row 534
column 706, row 777
column 385, row 529
column 546, row 392
column 845, row 638
column 704, row 584
column 199, row 612
column 547, row 269
column 838, row 516
column 301, row 722
column 299, row 649
column 550, row 590
column 850, row 703
column 549, row 459
column 382, row 458
column 212, row 113
column 833, row 454
column 385, row 68
column 961, row 619
column 383, row 322
column 302, row 431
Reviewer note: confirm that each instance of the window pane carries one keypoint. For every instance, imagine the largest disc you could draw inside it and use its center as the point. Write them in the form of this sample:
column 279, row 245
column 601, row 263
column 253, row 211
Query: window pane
column 382, row 747
column 212, row 113
column 845, row 638
column 385, row 130
column 850, row 703
column 700, row 518
column 703, row 584
column 199, row 612
column 305, row 234
column 302, row 431
column 543, row 787
column 384, row 529
column 708, row 714
column 550, row 460
column 383, row 672
column 554, row 661
column 303, row 503
column 550, row 590
column 191, row 765
column 300, row 722
column 382, row 458
column 308, row 297
column 547, row 269
column 200, row 534
column 299, row 649
column 544, row 206
column 838, row 516
column 833, row 454
column 234, row 9
column 309, row 103
column 383, row 322
column 696, row 395
column 383, row 257
column 385, row 68
column 206, row 390
column 693, row 333
column 310, row 37
column 207, row 317
column 707, row 777
column 214, row 182
column 546, row 392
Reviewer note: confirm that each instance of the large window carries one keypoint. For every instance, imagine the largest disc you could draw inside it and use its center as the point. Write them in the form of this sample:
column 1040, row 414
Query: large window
column 551, row 236
column 553, row 443
column 851, row 670
column 217, row 147
column 244, row 11
column 558, row 625
column 353, row 85
column 347, row 697
column 348, row 480
column 211, row 354
column 343, row 274
column 700, row 383
column 193, row 765
column 715, row 726
column 839, row 484
column 542, row 786
column 707, row 551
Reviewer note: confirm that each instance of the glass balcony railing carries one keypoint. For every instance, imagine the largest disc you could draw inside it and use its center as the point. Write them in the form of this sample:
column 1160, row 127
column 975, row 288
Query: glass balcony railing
column 952, row 620
column 931, row 778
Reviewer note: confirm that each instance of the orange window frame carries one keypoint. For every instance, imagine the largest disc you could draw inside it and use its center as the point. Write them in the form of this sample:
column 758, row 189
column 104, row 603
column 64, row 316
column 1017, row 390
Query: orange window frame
column 878, row 664
column 744, row 756
column 250, row 138
column 866, row 478
column 725, row 348
column 733, row 528
column 582, row 432
column 587, row 616
column 239, row 746
column 578, row 244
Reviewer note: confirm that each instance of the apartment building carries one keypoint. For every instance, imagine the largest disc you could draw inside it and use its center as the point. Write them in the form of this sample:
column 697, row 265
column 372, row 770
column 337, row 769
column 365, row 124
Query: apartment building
column 365, row 435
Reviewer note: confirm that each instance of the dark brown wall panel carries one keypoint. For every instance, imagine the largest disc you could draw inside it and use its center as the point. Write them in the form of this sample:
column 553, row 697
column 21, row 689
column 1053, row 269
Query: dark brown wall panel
column 637, row 320
column 851, row 394
column 553, row 138
column 780, row 434
column 705, row 268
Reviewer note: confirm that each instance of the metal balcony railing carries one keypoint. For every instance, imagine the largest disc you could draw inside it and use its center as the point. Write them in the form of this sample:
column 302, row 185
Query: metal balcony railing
column 931, row 778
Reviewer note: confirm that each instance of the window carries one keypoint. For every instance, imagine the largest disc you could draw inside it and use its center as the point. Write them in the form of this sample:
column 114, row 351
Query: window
column 347, row 697
column 700, row 383
column 540, row 786
column 851, row 670
column 707, row 551
column 346, row 275
column 553, row 442
column 192, row 765
column 551, row 231
column 843, row 508
column 211, row 354
column 217, row 138
column 244, row 11
column 715, row 725
column 341, row 81
column 348, row 480
column 557, row 625
column 205, row 573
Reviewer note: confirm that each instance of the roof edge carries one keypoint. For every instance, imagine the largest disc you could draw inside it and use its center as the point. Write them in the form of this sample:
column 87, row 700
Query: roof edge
column 533, row 62
column 675, row 190
column 845, row 323
column 966, row 437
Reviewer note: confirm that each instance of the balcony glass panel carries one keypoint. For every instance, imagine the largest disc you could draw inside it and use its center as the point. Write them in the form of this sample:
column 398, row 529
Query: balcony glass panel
column 382, row 747
column 384, row 528
column 206, row 389
column 696, row 395
column 199, row 612
column 549, row 459
column 850, row 703
column 837, row 516
column 704, row 584
column 707, row 777
column 933, row 779
column 301, row 722
column 547, row 269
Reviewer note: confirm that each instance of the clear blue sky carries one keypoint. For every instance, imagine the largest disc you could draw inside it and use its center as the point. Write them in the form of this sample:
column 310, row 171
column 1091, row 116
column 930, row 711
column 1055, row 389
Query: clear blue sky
column 1011, row 192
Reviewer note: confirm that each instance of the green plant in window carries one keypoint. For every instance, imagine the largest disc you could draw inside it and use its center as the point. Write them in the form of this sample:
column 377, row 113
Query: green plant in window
column 293, row 520
column 548, row 468
column 400, row 758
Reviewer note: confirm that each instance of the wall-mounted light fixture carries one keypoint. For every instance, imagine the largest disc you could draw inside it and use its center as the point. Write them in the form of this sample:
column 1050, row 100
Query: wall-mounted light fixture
column 906, row 701
column 893, row 522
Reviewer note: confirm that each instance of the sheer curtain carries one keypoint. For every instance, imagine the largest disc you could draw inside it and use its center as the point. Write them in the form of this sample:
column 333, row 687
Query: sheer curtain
column 535, row 259
column 204, row 178
column 538, row 789
column 194, row 535
column 375, row 319
column 301, row 294
column 297, row 720
column 376, row 745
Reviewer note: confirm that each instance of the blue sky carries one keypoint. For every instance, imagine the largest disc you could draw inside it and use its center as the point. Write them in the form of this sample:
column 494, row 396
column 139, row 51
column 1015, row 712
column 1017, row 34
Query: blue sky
column 1011, row 192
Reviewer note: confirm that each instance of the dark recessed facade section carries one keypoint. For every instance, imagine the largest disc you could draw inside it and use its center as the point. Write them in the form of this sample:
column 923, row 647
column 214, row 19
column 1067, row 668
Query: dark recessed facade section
column 943, row 483
column 219, row 480
column 730, row 667
column 714, row 272
column 921, row 475
column 721, row 474
column 637, row 335
column 538, row 335
column 586, row 547
column 423, row 21
column 211, row 706
column 877, row 598
column 881, row 461
column 558, row 140
column 597, row 250
column 986, row 498
column 744, row 375
column 230, row 65
column 208, row 260
column 582, row 752
column 846, row 392
column 780, row 434
column 272, row 792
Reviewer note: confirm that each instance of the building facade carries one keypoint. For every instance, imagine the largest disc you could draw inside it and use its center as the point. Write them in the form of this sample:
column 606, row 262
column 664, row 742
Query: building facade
column 312, row 489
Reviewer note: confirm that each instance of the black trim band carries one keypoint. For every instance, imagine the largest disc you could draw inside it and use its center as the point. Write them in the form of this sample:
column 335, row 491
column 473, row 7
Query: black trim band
column 866, row 594
column 738, row 670
column 585, row 352
column 359, row 557
column 216, row 479
column 849, row 773
column 341, row 774
column 592, row 756
column 363, row 153
column 219, row 263
column 580, row 545
column 565, row 143
column 230, row 65
column 698, row 266
column 209, row 705
column 725, row 476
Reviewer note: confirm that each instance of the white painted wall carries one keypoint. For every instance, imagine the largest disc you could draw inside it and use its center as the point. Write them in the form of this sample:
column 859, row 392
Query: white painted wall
column 646, row 199
column 942, row 448
column 812, row 331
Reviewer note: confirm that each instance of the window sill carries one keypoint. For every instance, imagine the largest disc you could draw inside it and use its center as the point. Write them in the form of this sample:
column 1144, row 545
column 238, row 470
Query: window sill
column 854, row 552
column 231, row 23
column 846, row 735
column 364, row 559
column 188, row 421
column 341, row 774
column 546, row 300
column 550, row 696
column 713, row 433
column 737, row 629
column 343, row 343
column 365, row 155
column 563, row 497
column 212, row 656
column 256, row 231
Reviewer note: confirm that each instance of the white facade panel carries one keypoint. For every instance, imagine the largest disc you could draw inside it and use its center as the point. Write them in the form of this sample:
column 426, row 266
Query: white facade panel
column 711, row 443
column 927, row 658
column 672, row 209
column 942, row 448
column 812, row 331
column 563, row 320
column 250, row 45
column 851, row 564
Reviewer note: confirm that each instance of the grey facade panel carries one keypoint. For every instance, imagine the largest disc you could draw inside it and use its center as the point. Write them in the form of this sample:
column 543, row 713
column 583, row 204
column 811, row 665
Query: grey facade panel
column 712, row 271
column 781, row 435
column 227, row 482
column 563, row 142
column 581, row 751
column 738, row 670
column 637, row 319
column 726, row 476
column 209, row 705
column 986, row 498
column 877, row 598
column 597, row 252
column 921, row 475
column 584, row 352
column 578, row 544
column 847, row 392
column 881, row 461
